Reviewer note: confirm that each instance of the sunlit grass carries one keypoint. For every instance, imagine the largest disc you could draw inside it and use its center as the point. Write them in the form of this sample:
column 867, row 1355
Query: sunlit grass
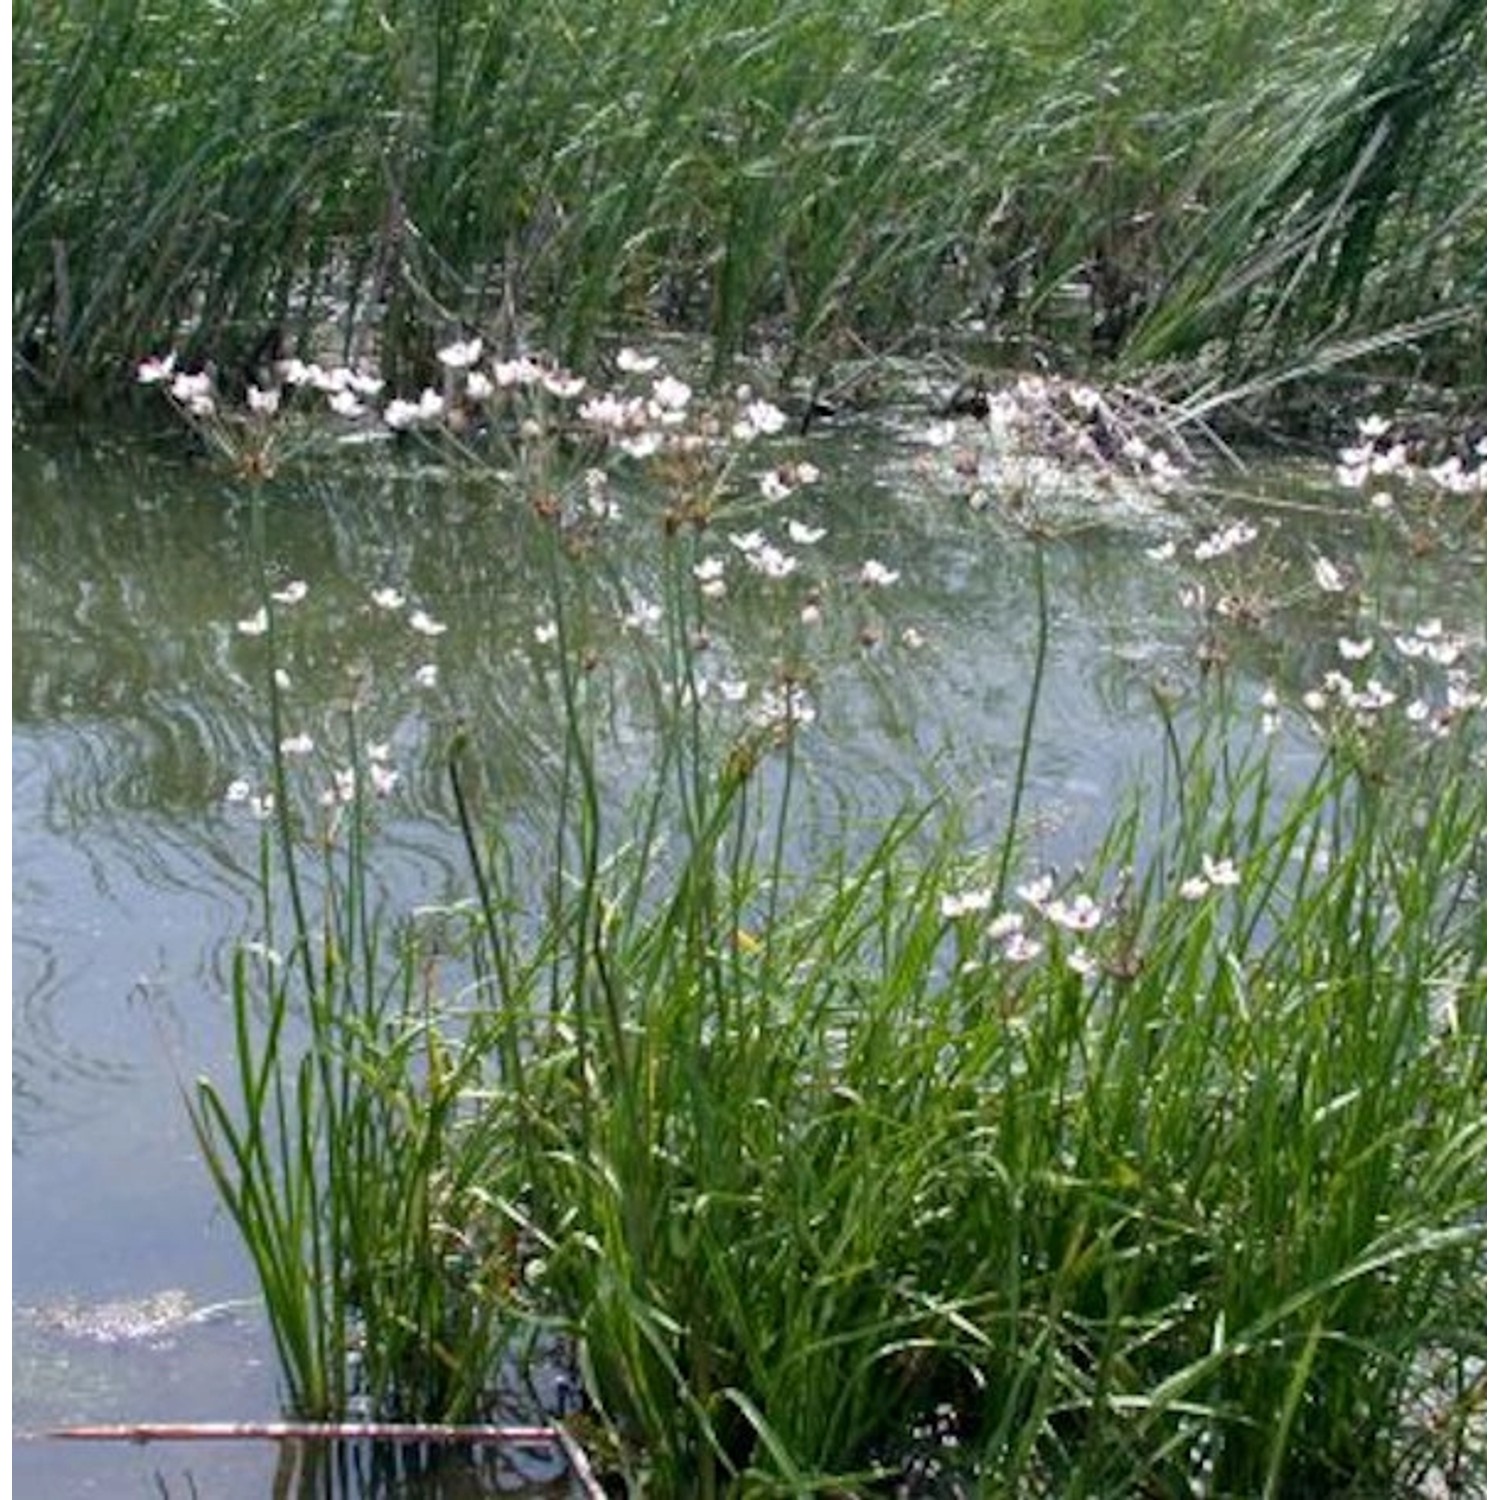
column 1290, row 190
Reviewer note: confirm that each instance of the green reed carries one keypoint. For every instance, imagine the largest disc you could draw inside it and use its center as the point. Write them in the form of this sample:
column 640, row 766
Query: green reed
column 350, row 1151
column 1251, row 191
column 893, row 1159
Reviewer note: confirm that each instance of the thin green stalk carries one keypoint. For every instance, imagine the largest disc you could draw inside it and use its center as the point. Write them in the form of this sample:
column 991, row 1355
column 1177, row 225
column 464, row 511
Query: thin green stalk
column 1028, row 719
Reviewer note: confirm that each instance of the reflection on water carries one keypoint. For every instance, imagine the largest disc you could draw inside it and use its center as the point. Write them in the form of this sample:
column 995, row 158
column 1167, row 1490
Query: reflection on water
column 136, row 703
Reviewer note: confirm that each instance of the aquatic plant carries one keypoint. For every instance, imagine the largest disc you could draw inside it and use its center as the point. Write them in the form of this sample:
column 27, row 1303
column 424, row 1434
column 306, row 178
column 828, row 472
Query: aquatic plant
column 1246, row 197
column 886, row 1155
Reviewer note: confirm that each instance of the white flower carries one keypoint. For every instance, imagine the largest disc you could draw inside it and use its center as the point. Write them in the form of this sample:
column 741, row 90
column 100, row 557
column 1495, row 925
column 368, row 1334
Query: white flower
column 609, row 411
column 257, row 624
column 1462, row 696
column 238, row 790
column 1036, row 892
column 875, row 574
column 1428, row 630
column 378, row 750
column 805, row 536
column 387, row 598
column 1355, row 650
column 632, row 362
column 282, row 678
column 734, row 690
column 1229, row 539
column 759, row 417
column 641, row 444
column 478, row 386
column 195, row 392
column 1080, row 914
column 345, row 403
column 263, row 806
column 1020, row 949
column 561, row 384
column 1417, row 711
column 343, row 788
column 912, row 638
column 1372, row 697
column 155, row 371
column 1163, row 553
column 511, row 372
column 426, row 675
column 1372, row 427
column 424, row 624
column 383, row 779
column 1194, row 888
column 747, row 541
column 1270, row 711
column 1004, row 926
column 940, row 434
column 294, row 372
column 642, row 615
column 714, row 588
column 297, row 744
column 1162, row 468
column 709, row 570
column 460, row 355
column 671, row 394
column 1220, row 872
column 771, row 561
column 965, row 903
column 783, row 705
column 1327, row 576
column 773, row 487
column 401, row 414
column 294, row 593
column 811, row 614
column 545, row 633
column 262, row 402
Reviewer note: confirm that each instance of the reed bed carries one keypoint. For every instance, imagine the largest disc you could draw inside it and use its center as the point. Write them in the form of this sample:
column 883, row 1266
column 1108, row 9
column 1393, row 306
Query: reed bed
column 901, row 1162
column 1226, row 199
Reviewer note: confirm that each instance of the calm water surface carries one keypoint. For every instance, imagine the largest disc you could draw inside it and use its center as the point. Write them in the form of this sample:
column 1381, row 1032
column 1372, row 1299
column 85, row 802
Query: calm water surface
column 136, row 703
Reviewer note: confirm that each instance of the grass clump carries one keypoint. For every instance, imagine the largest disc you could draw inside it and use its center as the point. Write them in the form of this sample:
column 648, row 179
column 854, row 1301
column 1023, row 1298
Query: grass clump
column 832, row 1154
column 1243, row 196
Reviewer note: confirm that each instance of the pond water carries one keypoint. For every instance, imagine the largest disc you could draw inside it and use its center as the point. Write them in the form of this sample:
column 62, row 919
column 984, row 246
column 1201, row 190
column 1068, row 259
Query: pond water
column 137, row 703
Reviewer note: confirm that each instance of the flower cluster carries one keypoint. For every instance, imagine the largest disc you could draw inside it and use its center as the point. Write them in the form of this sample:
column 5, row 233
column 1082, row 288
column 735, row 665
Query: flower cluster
column 1042, row 431
column 1018, row 938
column 1378, row 456
column 1433, row 700
column 379, row 775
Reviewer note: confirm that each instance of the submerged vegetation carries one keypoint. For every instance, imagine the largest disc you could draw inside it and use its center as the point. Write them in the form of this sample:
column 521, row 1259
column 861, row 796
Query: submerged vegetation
column 1228, row 198
column 878, row 1156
